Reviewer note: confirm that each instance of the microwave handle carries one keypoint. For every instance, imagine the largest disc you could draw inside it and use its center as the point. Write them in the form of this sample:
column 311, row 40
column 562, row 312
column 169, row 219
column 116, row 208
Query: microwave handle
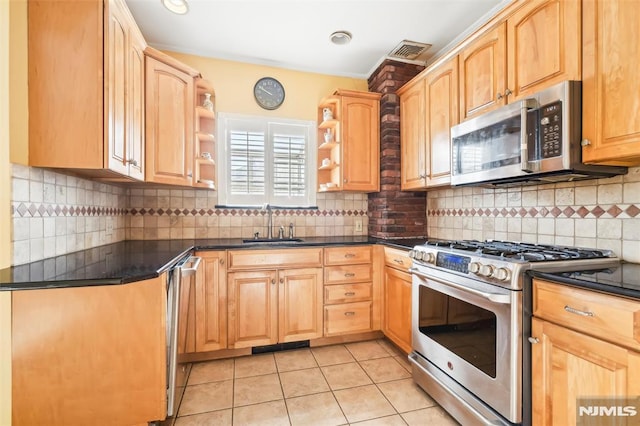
column 526, row 165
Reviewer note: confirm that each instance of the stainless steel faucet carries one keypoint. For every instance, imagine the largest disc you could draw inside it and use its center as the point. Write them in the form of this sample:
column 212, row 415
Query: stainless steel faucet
column 267, row 207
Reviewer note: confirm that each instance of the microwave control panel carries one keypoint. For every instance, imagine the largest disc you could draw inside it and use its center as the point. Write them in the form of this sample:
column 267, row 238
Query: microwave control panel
column 551, row 130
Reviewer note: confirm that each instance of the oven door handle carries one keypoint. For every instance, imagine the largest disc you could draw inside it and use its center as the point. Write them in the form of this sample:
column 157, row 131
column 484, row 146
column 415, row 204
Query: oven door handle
column 504, row 299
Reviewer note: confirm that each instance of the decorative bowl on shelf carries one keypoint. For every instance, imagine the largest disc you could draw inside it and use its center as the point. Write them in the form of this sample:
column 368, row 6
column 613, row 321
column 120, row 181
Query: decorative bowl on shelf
column 331, row 185
column 327, row 114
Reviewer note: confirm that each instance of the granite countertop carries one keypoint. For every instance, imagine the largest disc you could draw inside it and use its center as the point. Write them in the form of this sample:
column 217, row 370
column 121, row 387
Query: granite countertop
column 130, row 261
column 623, row 280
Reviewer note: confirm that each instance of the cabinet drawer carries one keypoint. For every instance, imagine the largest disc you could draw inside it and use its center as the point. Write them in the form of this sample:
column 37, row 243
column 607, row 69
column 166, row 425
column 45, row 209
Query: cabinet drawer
column 347, row 293
column 397, row 258
column 274, row 258
column 347, row 255
column 347, row 274
column 347, row 318
column 612, row 318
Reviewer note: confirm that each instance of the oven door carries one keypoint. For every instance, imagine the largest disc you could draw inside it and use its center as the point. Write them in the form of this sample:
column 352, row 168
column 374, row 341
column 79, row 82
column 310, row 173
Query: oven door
column 471, row 331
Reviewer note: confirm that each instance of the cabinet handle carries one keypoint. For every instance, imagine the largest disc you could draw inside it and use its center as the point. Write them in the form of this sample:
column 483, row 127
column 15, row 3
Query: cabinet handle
column 346, row 181
column 189, row 174
column 507, row 92
column 349, row 314
column 349, row 275
column 133, row 162
column 578, row 311
column 350, row 293
column 533, row 340
column 273, row 281
column 281, row 280
column 349, row 255
column 399, row 261
column 222, row 261
column 585, row 142
column 499, row 96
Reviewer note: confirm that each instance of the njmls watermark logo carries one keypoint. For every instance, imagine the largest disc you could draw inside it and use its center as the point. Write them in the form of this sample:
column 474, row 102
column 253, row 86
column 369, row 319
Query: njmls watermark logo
column 608, row 411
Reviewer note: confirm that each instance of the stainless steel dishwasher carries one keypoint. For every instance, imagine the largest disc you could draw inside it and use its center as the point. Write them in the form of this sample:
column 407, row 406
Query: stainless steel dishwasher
column 177, row 371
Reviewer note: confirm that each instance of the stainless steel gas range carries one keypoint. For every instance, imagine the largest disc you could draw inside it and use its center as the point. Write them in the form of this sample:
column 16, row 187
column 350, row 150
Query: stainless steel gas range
column 471, row 318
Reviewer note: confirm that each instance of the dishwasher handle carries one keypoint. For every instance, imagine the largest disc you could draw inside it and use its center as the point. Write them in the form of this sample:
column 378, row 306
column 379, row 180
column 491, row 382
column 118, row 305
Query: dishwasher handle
column 195, row 263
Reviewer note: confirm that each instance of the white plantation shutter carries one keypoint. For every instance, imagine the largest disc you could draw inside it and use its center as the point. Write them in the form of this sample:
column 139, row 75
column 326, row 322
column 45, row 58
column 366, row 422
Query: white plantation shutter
column 266, row 161
column 246, row 163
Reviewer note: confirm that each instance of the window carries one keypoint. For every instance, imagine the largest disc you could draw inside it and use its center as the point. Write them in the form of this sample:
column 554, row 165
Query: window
column 265, row 160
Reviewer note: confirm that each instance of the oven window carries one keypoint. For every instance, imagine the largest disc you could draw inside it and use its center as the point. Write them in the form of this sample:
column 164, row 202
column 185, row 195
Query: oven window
column 467, row 330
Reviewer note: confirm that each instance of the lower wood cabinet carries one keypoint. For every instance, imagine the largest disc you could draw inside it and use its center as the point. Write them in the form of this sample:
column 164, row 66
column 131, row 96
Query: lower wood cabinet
column 396, row 323
column 83, row 355
column 274, row 306
column 584, row 345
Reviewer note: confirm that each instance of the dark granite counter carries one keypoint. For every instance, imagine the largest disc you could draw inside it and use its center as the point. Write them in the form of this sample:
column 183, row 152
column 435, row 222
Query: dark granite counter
column 130, row 261
column 623, row 280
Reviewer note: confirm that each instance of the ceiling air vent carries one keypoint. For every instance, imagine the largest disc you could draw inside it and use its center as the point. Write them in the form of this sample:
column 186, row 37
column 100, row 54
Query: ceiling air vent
column 410, row 51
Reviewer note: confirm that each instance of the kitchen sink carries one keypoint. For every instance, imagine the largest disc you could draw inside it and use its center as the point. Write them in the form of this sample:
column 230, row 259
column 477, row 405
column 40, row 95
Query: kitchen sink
column 272, row 240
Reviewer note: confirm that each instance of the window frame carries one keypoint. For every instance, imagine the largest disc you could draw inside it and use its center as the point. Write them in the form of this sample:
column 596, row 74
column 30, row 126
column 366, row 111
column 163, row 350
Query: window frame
column 227, row 122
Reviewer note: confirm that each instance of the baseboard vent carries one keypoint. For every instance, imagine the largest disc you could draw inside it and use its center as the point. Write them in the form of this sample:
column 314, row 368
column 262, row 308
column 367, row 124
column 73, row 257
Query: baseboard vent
column 279, row 347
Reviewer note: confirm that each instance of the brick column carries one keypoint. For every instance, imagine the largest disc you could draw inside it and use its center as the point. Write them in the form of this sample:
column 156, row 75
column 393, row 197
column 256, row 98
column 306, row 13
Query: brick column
column 394, row 214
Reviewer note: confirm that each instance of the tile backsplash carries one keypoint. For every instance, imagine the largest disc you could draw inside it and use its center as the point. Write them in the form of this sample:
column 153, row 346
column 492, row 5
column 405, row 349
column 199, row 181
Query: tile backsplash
column 603, row 213
column 55, row 214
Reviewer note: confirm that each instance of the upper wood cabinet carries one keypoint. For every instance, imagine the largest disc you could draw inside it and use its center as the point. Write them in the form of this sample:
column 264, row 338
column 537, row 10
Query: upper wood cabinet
column 170, row 119
column 537, row 46
column 349, row 142
column 428, row 110
column 86, row 88
column 483, row 73
column 610, row 85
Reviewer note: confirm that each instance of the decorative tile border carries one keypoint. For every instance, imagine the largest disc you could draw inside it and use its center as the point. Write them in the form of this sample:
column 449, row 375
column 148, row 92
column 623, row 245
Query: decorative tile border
column 20, row 209
column 241, row 212
column 56, row 210
column 613, row 211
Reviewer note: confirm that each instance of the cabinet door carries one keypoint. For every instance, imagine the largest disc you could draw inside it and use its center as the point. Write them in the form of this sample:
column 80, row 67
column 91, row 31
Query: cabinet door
column 117, row 63
column 253, row 308
column 610, row 85
column 543, row 45
column 135, row 105
column 412, row 137
column 360, row 144
column 441, row 114
column 169, row 124
column 483, row 73
column 397, row 307
column 567, row 366
column 211, row 303
column 300, row 304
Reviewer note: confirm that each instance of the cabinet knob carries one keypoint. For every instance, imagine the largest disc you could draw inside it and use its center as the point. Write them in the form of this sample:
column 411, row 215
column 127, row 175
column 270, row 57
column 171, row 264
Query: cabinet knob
column 132, row 162
column 281, row 280
column 346, row 180
column 585, row 142
column 190, row 175
column 507, row 92
column 499, row 96
column 533, row 340
column 273, row 281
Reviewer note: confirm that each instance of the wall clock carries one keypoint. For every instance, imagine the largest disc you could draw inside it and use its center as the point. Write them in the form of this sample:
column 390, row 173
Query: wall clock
column 269, row 93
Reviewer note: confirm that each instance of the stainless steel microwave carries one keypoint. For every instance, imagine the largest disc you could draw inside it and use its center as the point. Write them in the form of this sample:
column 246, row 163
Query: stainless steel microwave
column 535, row 140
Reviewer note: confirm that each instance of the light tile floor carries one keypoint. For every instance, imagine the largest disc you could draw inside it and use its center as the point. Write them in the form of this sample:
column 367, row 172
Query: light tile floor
column 364, row 383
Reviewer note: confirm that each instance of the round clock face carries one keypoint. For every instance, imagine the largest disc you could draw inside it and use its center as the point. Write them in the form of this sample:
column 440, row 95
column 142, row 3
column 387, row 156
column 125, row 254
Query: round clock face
column 269, row 93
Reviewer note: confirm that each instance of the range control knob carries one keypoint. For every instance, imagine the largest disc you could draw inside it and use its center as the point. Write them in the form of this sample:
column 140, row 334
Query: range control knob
column 486, row 270
column 474, row 267
column 502, row 274
column 412, row 254
column 429, row 257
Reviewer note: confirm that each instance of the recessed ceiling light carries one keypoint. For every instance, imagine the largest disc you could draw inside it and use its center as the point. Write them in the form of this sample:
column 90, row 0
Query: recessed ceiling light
column 176, row 6
column 340, row 37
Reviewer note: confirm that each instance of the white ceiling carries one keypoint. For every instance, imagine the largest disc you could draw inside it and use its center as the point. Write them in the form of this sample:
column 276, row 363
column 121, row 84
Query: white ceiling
column 294, row 34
